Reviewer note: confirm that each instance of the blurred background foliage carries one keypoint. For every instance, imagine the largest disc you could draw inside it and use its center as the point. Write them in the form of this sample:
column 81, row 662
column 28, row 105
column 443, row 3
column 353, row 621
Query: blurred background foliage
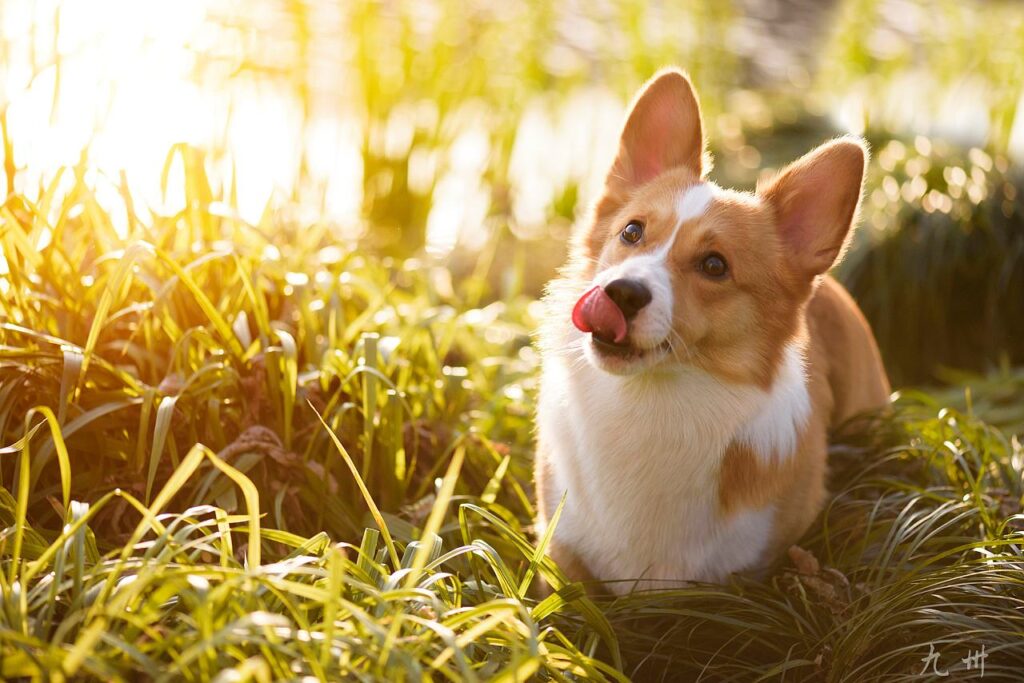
column 461, row 129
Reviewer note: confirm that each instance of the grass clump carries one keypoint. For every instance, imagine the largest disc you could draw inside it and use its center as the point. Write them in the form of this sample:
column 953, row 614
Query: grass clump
column 247, row 452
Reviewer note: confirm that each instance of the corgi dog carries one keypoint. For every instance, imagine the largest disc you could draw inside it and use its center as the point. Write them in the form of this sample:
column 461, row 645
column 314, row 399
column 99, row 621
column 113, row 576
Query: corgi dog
column 694, row 356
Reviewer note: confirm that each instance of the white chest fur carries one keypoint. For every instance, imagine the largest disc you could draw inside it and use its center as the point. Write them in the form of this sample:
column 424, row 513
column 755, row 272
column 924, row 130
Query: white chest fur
column 639, row 458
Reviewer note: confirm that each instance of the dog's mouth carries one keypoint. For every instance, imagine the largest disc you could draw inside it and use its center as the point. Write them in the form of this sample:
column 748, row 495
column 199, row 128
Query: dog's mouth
column 624, row 349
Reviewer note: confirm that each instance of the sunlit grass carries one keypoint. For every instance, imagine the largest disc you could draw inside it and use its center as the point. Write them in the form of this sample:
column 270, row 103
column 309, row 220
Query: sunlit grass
column 202, row 333
column 173, row 506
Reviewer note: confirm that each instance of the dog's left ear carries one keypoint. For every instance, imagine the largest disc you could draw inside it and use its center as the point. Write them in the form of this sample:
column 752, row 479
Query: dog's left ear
column 815, row 200
column 662, row 132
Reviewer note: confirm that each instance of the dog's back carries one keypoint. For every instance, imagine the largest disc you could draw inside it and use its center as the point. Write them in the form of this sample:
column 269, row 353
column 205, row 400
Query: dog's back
column 844, row 347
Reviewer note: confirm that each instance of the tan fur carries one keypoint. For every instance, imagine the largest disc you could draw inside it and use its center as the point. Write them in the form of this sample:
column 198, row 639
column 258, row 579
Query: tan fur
column 845, row 377
column 778, row 243
column 846, row 352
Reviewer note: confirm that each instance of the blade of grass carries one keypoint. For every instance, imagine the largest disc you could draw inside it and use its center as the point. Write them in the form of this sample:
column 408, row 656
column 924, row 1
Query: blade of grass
column 396, row 561
column 436, row 518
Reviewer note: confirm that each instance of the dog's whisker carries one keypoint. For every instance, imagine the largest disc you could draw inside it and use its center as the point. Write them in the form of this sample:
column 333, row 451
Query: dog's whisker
column 675, row 353
column 686, row 347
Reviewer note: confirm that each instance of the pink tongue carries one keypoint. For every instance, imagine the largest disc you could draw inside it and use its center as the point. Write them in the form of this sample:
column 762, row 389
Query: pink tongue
column 596, row 312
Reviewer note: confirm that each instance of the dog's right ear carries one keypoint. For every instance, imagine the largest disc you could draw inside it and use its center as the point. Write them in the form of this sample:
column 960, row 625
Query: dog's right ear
column 662, row 132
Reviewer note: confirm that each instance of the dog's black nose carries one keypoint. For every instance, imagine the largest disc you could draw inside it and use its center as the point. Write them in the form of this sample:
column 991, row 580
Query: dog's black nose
column 629, row 295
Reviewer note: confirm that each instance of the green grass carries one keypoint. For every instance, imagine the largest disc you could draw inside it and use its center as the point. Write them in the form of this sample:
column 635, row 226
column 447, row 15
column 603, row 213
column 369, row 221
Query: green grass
column 173, row 506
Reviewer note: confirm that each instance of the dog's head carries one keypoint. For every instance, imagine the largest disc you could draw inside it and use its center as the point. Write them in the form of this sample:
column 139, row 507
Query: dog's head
column 679, row 271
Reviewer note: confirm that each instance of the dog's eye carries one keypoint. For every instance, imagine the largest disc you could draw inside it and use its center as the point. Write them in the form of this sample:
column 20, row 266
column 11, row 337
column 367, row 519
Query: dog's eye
column 632, row 233
column 714, row 266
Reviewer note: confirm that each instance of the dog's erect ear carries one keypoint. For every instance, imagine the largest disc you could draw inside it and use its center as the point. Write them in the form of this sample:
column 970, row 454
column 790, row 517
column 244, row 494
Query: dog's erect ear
column 815, row 200
column 662, row 132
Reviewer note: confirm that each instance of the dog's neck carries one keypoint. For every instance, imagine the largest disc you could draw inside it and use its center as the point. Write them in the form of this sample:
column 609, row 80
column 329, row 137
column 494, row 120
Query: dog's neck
column 767, row 421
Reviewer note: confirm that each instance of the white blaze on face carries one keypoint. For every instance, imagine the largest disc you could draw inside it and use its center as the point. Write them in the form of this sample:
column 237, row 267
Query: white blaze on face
column 654, row 323
column 693, row 203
